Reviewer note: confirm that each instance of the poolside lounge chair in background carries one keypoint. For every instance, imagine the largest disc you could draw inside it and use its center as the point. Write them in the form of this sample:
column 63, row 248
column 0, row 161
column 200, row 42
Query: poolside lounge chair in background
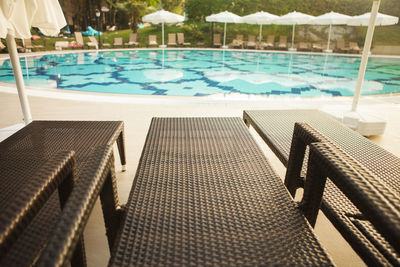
column 111, row 28
column 238, row 41
column 118, row 42
column 270, row 43
column 341, row 46
column 316, row 46
column 303, row 46
column 133, row 40
column 282, row 42
column 172, row 39
column 251, row 41
column 29, row 46
column 354, row 48
column 79, row 39
column 93, row 42
column 181, row 39
column 152, row 40
column 217, row 40
column 59, row 45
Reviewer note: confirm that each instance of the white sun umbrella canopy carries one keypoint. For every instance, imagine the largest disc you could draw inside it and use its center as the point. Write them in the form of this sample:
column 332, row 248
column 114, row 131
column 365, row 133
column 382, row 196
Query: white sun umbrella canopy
column 381, row 20
column 331, row 18
column 163, row 17
column 16, row 19
column 294, row 18
column 224, row 17
column 260, row 18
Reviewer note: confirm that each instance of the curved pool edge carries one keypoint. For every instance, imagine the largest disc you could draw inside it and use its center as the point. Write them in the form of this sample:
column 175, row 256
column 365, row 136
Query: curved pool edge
column 165, row 99
column 43, row 53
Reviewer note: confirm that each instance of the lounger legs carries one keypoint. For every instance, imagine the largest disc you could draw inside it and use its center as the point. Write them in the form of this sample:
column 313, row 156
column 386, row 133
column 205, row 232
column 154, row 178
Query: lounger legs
column 109, row 204
column 121, row 149
column 64, row 190
column 295, row 164
column 303, row 135
column 79, row 256
column 314, row 189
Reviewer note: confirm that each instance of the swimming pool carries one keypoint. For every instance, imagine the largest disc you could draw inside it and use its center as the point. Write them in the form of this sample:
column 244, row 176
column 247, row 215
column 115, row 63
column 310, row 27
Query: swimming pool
column 207, row 72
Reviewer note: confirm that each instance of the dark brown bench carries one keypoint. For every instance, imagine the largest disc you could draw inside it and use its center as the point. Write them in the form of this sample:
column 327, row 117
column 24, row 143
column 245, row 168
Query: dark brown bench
column 276, row 128
column 27, row 163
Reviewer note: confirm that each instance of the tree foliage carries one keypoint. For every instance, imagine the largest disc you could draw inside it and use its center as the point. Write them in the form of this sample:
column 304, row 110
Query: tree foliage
column 124, row 12
column 199, row 9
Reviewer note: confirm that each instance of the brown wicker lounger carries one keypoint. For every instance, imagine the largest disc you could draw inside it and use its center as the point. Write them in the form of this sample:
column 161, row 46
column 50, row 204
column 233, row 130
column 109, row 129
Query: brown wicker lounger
column 276, row 128
column 30, row 148
column 97, row 178
column 204, row 194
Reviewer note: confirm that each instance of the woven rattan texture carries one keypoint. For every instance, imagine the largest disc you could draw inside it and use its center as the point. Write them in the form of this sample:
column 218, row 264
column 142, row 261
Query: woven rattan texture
column 45, row 138
column 276, row 128
column 78, row 208
column 20, row 207
column 204, row 194
column 42, row 140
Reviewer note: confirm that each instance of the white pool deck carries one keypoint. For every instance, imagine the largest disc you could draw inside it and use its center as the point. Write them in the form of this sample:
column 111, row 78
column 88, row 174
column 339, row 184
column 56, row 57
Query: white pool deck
column 137, row 111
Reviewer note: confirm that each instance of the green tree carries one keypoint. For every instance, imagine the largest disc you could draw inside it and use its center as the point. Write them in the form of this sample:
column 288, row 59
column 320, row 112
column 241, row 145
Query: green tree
column 135, row 10
column 175, row 6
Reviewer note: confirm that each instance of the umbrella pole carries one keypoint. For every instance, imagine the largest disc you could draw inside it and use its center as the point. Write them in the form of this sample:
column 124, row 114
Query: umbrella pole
column 224, row 34
column 329, row 36
column 294, row 25
column 19, row 80
column 259, row 38
column 163, row 34
column 364, row 58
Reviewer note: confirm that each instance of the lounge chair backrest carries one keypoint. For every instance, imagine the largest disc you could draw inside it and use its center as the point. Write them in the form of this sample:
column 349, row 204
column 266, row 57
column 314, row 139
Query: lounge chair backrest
column 181, row 37
column 133, row 37
column 118, row 41
column 340, row 43
column 270, row 39
column 217, row 38
column 27, row 43
column 79, row 38
column 317, row 44
column 251, row 38
column 93, row 39
column 172, row 38
column 303, row 45
column 283, row 39
column 239, row 37
column 152, row 39
column 353, row 45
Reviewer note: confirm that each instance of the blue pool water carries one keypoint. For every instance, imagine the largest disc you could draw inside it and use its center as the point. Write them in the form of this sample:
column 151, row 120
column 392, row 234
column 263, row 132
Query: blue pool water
column 207, row 72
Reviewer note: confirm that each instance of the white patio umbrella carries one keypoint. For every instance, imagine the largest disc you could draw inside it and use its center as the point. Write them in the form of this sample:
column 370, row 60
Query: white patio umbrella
column 381, row 20
column 371, row 19
column 331, row 18
column 16, row 19
column 294, row 18
column 163, row 17
column 224, row 17
column 260, row 18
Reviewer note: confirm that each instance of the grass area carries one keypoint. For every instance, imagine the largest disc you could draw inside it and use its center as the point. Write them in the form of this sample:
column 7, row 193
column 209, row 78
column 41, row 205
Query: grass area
column 197, row 33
